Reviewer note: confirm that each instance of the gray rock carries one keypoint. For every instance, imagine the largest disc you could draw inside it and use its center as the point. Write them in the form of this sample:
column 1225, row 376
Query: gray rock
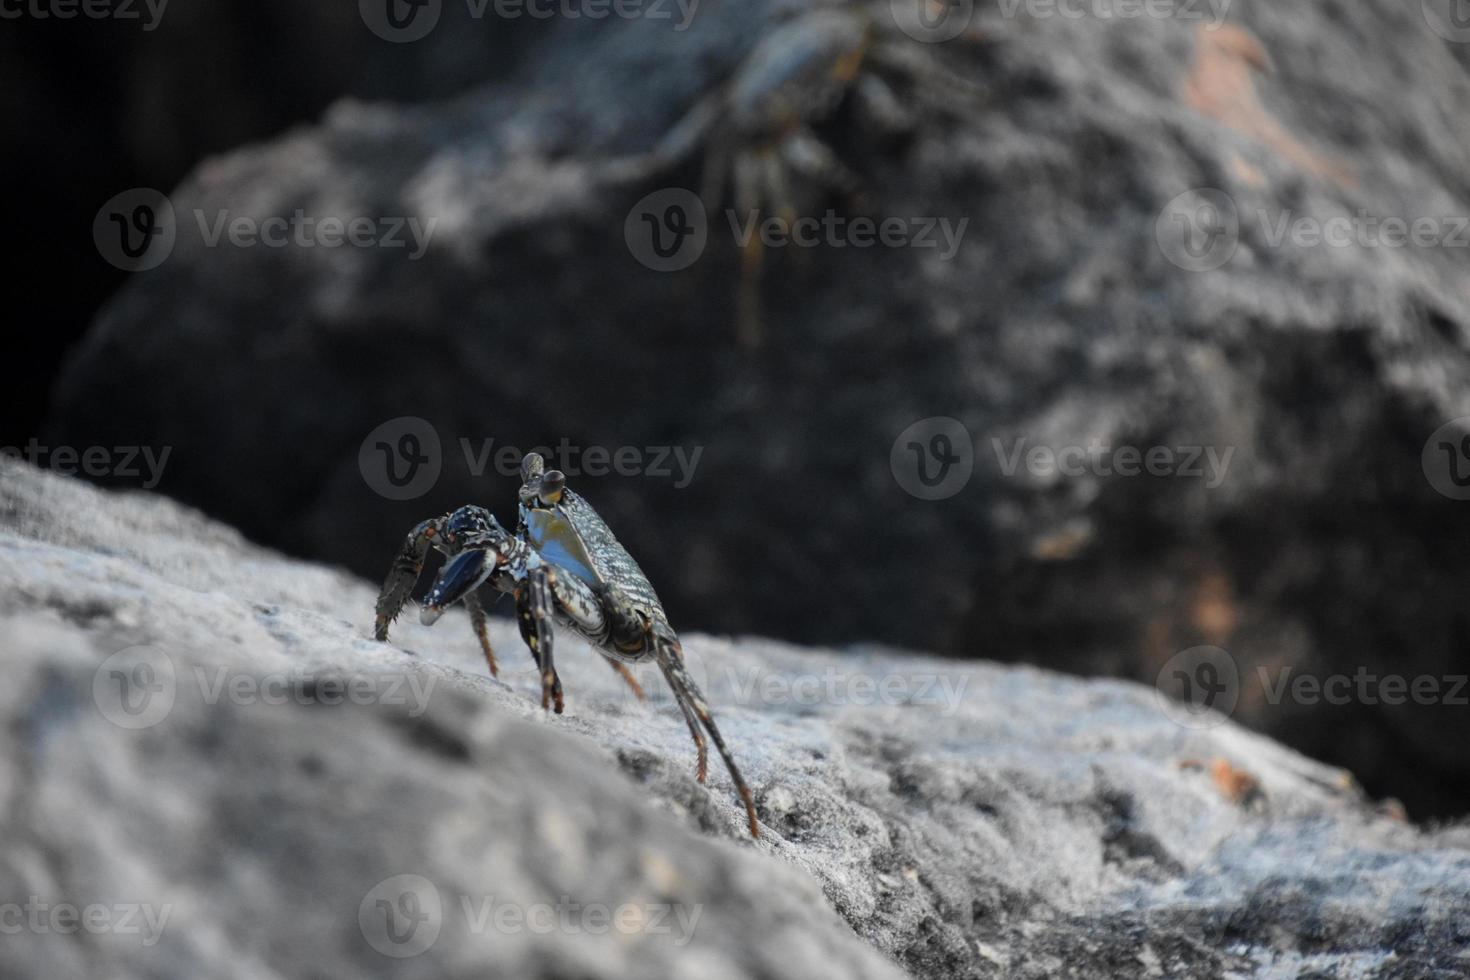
column 921, row 815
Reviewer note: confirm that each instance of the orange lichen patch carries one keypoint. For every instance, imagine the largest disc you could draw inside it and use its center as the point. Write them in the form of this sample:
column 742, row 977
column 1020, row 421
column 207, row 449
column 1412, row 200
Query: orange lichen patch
column 1212, row 609
column 1222, row 86
column 1236, row 785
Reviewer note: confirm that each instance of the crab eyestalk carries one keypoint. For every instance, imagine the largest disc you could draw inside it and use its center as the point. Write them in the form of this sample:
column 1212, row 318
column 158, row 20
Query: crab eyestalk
column 553, row 482
column 403, row 574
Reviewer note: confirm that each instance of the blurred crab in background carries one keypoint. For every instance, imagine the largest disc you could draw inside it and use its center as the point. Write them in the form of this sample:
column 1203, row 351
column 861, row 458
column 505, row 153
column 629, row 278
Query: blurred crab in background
column 757, row 128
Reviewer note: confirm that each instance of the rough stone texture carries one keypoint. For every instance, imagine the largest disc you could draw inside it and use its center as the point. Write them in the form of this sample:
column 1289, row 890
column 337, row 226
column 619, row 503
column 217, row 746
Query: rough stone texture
column 1060, row 322
column 974, row 821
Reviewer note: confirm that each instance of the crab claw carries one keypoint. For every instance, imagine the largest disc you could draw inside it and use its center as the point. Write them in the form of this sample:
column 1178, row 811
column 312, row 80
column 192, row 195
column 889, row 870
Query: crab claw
column 460, row 576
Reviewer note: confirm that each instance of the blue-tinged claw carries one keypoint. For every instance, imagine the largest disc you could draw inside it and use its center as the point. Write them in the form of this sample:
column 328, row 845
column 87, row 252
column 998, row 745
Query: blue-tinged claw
column 460, row 576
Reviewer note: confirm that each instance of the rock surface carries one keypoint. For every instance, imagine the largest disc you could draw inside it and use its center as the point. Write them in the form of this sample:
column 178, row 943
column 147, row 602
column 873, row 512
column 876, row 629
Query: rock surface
column 1066, row 318
column 918, row 815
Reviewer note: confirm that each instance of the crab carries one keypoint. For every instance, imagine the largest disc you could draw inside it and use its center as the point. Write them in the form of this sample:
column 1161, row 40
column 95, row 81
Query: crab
column 758, row 133
column 563, row 565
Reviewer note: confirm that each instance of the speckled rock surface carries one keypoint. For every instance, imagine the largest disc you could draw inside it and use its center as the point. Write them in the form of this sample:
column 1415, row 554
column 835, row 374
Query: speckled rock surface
column 272, row 774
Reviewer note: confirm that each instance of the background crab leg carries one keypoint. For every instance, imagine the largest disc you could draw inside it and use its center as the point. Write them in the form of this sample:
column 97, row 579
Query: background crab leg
column 627, row 675
column 748, row 176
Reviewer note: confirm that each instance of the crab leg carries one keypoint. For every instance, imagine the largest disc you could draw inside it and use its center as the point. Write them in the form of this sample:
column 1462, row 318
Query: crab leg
column 534, row 604
column 403, row 575
column 477, row 620
column 671, row 661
